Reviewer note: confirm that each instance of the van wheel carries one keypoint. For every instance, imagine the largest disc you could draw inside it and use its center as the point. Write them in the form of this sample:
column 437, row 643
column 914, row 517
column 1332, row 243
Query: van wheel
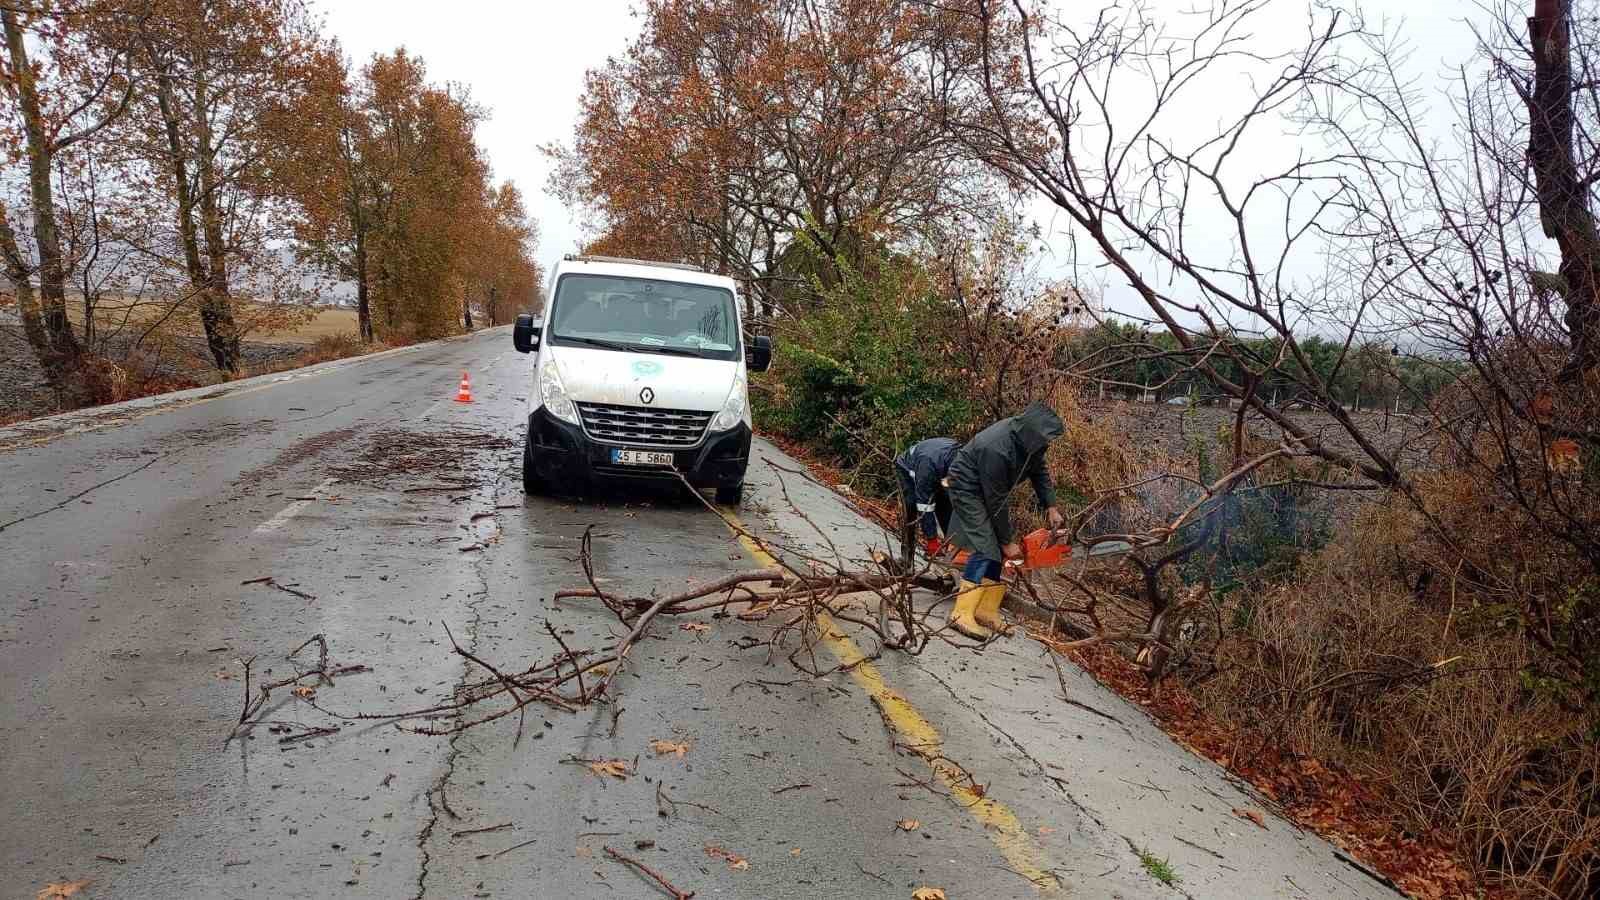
column 731, row 496
column 530, row 475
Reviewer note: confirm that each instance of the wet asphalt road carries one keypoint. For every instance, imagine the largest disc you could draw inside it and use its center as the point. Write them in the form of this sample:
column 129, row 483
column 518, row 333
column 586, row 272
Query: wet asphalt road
column 128, row 538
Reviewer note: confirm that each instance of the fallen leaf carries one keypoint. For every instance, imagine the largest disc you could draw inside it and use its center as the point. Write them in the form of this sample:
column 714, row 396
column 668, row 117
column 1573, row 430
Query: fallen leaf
column 305, row 691
column 1543, row 406
column 616, row 768
column 60, row 889
column 908, row 824
column 693, row 626
column 928, row 893
column 1562, row 455
column 795, row 852
column 1046, row 829
column 224, row 674
column 734, row 860
column 1251, row 815
column 662, row 748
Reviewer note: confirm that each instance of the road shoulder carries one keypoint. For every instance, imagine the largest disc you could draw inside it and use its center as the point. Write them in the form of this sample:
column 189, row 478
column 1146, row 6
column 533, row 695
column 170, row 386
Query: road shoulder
column 1089, row 750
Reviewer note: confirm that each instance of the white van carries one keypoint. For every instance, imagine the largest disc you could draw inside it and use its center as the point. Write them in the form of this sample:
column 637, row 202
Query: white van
column 639, row 372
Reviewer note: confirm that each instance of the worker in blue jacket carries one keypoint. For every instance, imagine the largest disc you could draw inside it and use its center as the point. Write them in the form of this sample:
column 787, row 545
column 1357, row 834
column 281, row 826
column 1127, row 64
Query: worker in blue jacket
column 922, row 469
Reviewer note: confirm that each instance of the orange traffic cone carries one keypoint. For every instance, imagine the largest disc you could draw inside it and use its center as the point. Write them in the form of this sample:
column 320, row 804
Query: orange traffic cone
column 465, row 394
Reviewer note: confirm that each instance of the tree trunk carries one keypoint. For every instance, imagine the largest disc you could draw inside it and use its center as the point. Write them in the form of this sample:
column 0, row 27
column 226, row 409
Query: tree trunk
column 466, row 309
column 20, row 276
column 188, row 234
column 216, row 311
column 59, row 350
column 363, row 291
column 1563, row 200
column 389, row 306
column 216, row 317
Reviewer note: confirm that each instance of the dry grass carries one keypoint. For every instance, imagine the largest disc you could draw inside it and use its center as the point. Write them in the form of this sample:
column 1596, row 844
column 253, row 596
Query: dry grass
column 326, row 322
column 266, row 323
column 323, row 349
column 1424, row 688
column 1352, row 663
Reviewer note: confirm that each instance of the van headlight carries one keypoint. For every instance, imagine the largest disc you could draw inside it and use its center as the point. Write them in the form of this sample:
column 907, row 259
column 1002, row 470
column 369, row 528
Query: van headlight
column 553, row 394
column 732, row 412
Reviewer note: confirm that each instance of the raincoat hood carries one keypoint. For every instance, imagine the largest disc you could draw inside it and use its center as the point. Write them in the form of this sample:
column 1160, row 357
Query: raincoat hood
column 1037, row 426
column 985, row 471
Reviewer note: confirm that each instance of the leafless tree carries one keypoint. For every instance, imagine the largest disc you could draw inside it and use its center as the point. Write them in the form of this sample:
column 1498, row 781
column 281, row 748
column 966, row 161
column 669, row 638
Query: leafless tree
column 1371, row 224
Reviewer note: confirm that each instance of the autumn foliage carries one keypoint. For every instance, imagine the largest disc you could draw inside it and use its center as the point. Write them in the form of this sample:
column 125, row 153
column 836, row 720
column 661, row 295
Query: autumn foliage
column 215, row 166
column 850, row 160
column 728, row 130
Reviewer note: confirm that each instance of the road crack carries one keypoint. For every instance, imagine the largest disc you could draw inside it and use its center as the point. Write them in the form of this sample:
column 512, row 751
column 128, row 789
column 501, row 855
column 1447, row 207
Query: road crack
column 438, row 797
column 319, row 415
column 1038, row 764
column 89, row 490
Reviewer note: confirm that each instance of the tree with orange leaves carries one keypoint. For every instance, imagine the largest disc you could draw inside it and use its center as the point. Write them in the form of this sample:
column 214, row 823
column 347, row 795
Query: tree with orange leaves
column 500, row 276
column 218, row 110
column 396, row 196
column 53, row 102
column 726, row 130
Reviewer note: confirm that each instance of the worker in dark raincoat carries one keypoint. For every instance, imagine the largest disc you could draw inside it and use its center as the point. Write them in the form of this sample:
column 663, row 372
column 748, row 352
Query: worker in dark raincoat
column 981, row 478
column 922, row 469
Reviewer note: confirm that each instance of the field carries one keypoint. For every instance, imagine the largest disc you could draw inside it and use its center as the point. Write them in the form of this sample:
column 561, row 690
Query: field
column 327, row 322
column 288, row 325
column 168, row 349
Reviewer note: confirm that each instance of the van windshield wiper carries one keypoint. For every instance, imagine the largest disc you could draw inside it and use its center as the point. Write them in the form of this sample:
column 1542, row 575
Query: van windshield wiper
column 670, row 351
column 596, row 342
column 631, row 348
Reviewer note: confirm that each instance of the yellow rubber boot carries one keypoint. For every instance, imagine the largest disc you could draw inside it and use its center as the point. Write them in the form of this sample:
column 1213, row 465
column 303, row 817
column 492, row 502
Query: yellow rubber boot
column 991, row 593
column 961, row 615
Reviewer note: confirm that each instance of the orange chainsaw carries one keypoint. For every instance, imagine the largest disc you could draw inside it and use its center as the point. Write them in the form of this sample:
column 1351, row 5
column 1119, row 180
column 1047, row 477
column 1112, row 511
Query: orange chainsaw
column 1039, row 551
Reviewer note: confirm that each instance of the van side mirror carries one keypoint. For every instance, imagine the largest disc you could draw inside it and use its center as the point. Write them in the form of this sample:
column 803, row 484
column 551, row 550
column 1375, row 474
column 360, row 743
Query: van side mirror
column 525, row 334
column 760, row 356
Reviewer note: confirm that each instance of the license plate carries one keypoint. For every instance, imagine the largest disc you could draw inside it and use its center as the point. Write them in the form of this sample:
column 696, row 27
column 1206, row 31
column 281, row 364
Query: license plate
column 640, row 458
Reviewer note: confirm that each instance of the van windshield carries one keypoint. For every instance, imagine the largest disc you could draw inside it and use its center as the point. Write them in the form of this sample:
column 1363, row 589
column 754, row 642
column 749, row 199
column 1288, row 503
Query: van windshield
column 645, row 315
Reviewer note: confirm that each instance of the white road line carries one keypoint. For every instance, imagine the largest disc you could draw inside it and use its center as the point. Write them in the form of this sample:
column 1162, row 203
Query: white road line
column 431, row 407
column 293, row 509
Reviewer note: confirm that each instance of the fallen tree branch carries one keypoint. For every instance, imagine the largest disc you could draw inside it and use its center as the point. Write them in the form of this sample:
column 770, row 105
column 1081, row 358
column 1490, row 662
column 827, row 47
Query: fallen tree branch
column 672, row 890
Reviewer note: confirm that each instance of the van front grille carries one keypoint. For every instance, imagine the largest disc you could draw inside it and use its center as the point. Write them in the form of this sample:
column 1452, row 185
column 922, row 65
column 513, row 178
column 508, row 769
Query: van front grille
column 643, row 425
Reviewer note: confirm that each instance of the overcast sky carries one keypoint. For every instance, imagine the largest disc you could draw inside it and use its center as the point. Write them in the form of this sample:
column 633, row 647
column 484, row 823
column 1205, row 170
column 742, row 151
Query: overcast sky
column 525, row 62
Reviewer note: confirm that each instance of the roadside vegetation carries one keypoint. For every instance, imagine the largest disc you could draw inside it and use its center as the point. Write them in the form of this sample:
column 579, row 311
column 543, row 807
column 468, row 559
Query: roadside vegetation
column 182, row 177
column 1395, row 631
column 1159, row 869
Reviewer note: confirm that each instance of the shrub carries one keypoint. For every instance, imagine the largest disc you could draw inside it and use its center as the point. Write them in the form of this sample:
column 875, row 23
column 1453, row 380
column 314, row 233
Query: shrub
column 862, row 375
column 1428, row 694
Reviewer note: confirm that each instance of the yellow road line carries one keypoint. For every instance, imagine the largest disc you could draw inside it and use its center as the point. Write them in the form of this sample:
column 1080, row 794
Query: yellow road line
column 1015, row 844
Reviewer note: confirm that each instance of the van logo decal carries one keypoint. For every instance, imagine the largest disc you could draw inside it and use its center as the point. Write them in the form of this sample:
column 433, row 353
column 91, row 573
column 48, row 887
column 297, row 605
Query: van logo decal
column 646, row 367
column 647, row 396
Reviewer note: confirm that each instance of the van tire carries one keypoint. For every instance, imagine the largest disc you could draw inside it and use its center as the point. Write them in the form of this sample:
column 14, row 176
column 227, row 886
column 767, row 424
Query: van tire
column 530, row 475
column 731, row 496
